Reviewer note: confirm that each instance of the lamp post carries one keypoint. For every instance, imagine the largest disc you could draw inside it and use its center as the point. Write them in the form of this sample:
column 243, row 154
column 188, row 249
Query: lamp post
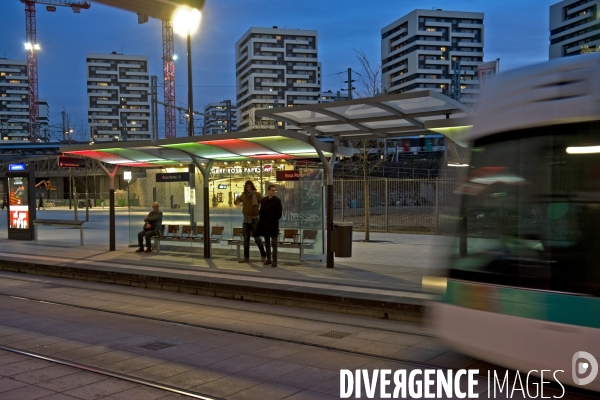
column 127, row 177
column 186, row 21
column 69, row 133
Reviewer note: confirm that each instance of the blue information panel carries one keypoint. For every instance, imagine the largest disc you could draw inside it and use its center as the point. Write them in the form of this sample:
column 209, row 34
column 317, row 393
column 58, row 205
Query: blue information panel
column 17, row 167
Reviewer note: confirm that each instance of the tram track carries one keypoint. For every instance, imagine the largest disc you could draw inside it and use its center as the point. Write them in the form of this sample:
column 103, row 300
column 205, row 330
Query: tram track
column 411, row 363
column 553, row 388
column 111, row 374
column 192, row 394
column 200, row 303
column 234, row 331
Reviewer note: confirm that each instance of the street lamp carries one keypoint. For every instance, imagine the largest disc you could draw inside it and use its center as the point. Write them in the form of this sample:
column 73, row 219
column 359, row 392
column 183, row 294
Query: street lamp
column 69, row 133
column 127, row 177
column 186, row 21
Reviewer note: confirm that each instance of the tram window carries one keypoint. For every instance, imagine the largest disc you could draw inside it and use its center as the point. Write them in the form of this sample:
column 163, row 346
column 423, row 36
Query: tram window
column 533, row 210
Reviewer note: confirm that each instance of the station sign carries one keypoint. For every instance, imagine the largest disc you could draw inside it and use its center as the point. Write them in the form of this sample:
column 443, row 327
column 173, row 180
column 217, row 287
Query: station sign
column 71, row 162
column 222, row 186
column 173, row 177
column 292, row 175
column 17, row 167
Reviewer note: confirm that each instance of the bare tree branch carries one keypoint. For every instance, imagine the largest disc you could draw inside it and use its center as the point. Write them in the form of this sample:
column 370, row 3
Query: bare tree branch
column 369, row 76
column 369, row 150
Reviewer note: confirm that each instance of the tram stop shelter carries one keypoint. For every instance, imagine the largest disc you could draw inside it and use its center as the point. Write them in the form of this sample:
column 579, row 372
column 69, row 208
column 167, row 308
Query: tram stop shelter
column 213, row 156
column 380, row 117
column 327, row 124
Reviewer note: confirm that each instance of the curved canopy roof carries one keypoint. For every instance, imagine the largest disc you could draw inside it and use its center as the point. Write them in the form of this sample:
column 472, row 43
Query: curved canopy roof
column 378, row 117
column 234, row 146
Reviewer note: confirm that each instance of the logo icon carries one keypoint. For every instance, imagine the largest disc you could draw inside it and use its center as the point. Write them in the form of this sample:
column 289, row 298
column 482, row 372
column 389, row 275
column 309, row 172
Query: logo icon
column 580, row 367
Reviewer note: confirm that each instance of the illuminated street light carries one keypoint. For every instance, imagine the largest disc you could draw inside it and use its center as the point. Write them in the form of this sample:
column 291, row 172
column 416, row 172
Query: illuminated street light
column 127, row 177
column 186, row 21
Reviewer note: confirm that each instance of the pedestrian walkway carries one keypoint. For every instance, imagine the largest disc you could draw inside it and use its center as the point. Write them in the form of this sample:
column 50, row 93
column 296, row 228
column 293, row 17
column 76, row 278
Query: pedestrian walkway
column 382, row 278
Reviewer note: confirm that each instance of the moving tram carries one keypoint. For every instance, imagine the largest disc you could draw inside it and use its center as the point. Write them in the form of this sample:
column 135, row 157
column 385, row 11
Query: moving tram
column 523, row 287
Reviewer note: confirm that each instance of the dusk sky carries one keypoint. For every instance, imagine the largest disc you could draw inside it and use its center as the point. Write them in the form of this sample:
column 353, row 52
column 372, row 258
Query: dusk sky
column 516, row 31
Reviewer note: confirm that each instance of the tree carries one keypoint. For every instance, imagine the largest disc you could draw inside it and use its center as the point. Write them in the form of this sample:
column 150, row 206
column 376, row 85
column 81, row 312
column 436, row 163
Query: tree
column 369, row 150
column 369, row 76
column 259, row 124
column 366, row 160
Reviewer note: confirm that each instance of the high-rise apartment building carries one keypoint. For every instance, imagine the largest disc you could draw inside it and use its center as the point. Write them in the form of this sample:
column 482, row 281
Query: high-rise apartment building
column 220, row 118
column 118, row 97
column 275, row 68
column 14, row 102
column 574, row 28
column 329, row 96
column 423, row 49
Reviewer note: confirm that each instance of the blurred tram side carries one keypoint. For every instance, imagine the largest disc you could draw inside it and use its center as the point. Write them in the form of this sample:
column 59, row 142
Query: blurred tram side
column 523, row 287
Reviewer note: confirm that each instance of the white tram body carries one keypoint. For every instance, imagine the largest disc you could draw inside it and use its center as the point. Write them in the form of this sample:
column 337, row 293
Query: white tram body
column 523, row 287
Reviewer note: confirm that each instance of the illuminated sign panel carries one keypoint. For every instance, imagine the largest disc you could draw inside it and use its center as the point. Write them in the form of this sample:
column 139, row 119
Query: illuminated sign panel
column 71, row 162
column 17, row 167
column 173, row 177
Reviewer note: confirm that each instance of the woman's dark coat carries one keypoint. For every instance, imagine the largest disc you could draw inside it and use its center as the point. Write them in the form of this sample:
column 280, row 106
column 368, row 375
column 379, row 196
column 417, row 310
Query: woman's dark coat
column 269, row 216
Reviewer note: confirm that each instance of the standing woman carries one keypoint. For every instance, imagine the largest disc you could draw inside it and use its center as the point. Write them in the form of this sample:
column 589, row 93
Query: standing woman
column 268, row 224
column 250, row 202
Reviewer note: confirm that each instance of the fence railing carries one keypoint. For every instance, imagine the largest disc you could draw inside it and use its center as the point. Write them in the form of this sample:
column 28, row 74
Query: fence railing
column 395, row 205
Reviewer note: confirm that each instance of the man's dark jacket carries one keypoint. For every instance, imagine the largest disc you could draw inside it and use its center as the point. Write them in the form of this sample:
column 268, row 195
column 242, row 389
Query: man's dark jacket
column 269, row 216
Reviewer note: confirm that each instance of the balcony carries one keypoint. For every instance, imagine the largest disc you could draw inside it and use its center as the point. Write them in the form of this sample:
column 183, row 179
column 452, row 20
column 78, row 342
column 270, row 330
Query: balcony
column 300, row 59
column 470, row 26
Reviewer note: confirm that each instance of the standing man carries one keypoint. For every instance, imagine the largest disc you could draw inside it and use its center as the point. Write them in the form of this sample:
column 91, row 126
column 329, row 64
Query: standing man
column 250, row 200
column 102, row 201
column 152, row 226
column 268, row 224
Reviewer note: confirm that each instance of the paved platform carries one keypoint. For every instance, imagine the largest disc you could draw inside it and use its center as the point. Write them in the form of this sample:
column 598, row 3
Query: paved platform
column 382, row 279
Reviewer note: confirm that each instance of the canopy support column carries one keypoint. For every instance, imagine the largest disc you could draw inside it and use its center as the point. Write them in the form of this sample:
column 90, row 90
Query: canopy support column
column 205, row 170
column 111, row 180
column 328, row 167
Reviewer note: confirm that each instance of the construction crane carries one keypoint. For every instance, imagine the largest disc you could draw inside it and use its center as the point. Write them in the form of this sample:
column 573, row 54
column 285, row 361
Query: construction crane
column 32, row 46
column 169, row 79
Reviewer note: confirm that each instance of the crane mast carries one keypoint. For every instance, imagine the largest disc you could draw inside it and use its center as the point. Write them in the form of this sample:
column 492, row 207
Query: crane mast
column 169, row 79
column 32, row 46
column 32, row 71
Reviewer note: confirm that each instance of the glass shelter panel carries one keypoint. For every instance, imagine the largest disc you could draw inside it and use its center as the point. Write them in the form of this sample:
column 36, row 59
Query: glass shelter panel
column 180, row 205
column 302, row 202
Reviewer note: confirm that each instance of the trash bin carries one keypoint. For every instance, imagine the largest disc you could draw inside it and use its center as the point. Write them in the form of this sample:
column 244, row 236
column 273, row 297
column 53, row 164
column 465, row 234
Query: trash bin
column 342, row 239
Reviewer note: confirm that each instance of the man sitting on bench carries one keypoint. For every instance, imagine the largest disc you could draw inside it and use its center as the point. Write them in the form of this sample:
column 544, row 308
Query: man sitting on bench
column 152, row 225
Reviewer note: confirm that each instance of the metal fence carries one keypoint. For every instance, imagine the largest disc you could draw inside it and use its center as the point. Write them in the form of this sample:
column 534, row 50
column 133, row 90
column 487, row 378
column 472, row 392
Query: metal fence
column 396, row 205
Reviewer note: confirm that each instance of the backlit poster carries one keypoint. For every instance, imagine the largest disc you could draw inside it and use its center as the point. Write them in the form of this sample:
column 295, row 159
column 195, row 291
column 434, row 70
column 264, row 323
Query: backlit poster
column 18, row 202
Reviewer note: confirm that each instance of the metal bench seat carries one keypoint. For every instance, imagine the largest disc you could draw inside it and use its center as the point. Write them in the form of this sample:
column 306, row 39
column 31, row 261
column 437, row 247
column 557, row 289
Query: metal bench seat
column 67, row 223
column 187, row 235
column 309, row 238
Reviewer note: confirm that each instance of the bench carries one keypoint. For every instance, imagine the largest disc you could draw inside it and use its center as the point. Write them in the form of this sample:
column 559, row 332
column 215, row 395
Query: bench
column 309, row 237
column 187, row 235
column 67, row 223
